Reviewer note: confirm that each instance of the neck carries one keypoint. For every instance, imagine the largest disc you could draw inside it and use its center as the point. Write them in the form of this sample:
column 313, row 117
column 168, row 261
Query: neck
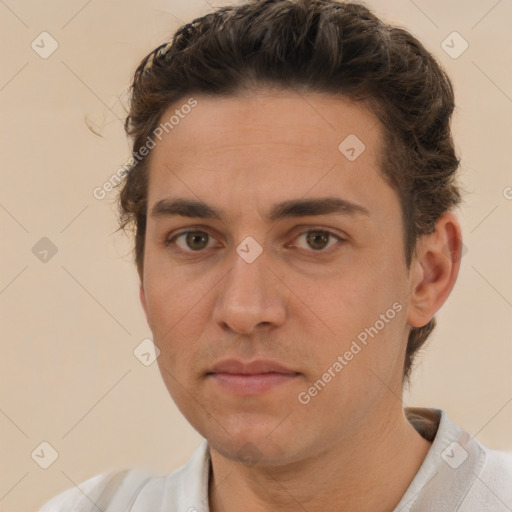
column 368, row 471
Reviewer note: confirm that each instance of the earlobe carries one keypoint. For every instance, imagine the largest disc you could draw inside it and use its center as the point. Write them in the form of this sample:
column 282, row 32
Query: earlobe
column 436, row 267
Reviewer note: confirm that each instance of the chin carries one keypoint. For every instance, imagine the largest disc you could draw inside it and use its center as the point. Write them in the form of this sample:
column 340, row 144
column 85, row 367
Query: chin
column 250, row 452
column 254, row 446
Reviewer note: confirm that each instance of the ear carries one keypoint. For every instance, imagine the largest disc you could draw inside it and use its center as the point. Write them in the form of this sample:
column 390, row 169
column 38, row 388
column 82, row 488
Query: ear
column 434, row 270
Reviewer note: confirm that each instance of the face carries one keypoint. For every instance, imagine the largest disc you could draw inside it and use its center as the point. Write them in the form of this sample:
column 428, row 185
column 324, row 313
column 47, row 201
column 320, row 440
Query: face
column 274, row 278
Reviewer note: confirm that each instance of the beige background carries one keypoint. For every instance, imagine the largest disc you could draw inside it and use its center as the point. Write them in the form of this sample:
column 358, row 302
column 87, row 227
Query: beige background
column 70, row 325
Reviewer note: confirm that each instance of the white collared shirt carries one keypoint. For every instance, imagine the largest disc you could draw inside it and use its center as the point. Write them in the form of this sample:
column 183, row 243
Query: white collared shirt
column 458, row 474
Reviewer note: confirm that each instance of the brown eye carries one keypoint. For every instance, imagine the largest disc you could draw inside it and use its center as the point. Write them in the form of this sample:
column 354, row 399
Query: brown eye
column 318, row 240
column 190, row 241
column 196, row 240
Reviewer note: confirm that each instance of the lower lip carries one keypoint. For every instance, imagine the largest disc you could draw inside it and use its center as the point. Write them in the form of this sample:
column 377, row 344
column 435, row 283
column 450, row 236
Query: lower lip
column 254, row 384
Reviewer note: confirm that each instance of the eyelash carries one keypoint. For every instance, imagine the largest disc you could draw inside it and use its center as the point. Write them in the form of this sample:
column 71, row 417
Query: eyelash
column 171, row 241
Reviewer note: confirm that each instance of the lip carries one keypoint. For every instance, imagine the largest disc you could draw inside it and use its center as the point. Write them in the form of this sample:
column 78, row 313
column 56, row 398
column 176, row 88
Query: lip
column 258, row 366
column 250, row 378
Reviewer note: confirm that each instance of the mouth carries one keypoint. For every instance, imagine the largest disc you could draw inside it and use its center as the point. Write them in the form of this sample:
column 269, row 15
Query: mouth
column 250, row 378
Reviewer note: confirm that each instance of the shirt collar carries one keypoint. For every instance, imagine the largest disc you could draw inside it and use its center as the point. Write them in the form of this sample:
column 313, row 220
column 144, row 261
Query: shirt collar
column 447, row 472
column 444, row 477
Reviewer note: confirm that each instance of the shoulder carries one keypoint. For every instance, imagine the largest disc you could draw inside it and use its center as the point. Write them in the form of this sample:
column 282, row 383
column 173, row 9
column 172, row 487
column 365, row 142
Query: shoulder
column 492, row 487
column 484, row 474
column 498, row 462
column 139, row 489
column 459, row 472
column 99, row 490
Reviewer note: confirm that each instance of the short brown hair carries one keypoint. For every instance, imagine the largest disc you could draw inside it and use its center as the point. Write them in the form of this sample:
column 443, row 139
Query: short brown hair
column 311, row 46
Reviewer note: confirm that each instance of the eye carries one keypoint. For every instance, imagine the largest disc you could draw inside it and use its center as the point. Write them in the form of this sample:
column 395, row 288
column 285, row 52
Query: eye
column 318, row 240
column 191, row 241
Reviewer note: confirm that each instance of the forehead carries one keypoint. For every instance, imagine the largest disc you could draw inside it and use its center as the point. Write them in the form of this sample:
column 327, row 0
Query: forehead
column 259, row 148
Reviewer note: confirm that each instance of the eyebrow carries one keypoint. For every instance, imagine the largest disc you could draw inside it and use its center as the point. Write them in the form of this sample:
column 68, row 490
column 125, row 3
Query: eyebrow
column 287, row 209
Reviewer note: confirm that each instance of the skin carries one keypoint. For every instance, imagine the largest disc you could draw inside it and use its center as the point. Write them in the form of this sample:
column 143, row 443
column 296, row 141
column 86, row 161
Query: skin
column 297, row 305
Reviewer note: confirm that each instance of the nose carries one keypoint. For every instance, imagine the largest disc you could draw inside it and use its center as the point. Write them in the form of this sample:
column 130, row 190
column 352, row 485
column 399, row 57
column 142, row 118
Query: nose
column 250, row 296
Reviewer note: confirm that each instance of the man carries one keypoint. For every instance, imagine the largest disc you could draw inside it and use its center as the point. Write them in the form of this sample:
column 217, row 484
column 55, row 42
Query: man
column 292, row 192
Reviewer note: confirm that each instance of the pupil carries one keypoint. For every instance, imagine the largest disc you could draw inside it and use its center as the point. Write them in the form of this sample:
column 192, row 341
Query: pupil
column 315, row 237
column 193, row 238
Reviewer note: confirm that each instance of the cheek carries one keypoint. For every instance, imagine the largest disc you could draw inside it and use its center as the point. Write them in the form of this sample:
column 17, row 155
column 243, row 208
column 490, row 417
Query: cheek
column 349, row 300
column 365, row 306
column 172, row 293
column 177, row 313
